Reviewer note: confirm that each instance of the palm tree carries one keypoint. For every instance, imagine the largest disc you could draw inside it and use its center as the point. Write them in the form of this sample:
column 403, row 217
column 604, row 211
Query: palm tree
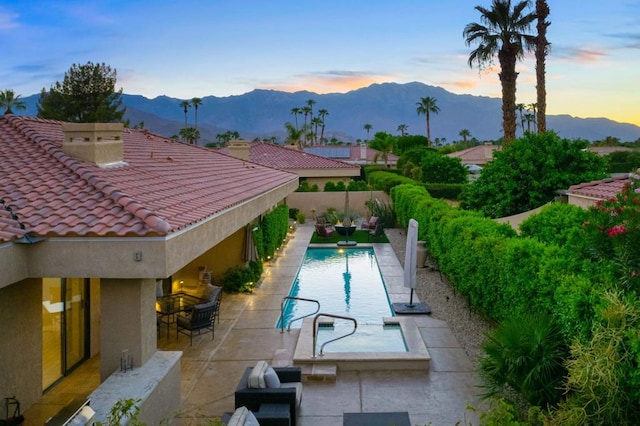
column 310, row 104
column 368, row 128
column 295, row 111
column 521, row 108
column 293, row 135
column 402, row 128
column 504, row 34
column 196, row 102
column 9, row 99
column 322, row 114
column 185, row 105
column 426, row 106
column 533, row 108
column 464, row 133
column 315, row 122
column 190, row 135
column 542, row 48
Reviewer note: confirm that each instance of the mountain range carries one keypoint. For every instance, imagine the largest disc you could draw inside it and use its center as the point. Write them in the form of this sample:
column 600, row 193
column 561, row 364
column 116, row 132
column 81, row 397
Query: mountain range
column 263, row 113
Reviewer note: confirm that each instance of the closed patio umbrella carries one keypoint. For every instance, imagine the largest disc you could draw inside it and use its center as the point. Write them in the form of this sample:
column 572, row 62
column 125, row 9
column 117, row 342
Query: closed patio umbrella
column 250, row 251
column 410, row 277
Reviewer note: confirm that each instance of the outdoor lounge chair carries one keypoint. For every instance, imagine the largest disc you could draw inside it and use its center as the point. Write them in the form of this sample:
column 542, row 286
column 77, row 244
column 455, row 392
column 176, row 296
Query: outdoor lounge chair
column 370, row 224
column 324, row 231
column 376, row 233
column 289, row 391
column 199, row 319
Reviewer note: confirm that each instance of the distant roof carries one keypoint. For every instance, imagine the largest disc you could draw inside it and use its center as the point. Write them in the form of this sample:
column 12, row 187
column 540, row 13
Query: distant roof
column 278, row 156
column 606, row 150
column 162, row 187
column 353, row 154
column 602, row 189
column 479, row 155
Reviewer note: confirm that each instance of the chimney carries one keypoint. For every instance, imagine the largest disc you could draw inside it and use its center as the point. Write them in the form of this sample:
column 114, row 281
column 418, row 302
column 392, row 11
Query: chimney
column 98, row 143
column 239, row 148
column 363, row 152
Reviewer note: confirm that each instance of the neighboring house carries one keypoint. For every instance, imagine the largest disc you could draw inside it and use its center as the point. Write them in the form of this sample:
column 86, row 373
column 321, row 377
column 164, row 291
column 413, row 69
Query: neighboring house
column 606, row 150
column 477, row 155
column 361, row 155
column 312, row 168
column 588, row 193
column 91, row 216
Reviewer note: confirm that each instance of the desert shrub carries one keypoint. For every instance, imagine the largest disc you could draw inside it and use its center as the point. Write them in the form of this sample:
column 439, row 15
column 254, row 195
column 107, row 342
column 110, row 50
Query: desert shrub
column 293, row 212
column 358, row 185
column 305, row 187
column 382, row 211
column 239, row 279
column 525, row 353
column 601, row 370
column 301, row 218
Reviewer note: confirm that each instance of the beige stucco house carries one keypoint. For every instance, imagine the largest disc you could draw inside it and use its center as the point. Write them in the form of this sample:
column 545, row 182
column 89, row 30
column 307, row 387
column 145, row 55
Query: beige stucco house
column 91, row 217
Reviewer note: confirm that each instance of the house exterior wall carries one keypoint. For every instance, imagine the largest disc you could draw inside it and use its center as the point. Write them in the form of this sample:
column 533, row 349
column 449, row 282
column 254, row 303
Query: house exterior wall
column 580, row 201
column 21, row 342
column 128, row 321
column 313, row 204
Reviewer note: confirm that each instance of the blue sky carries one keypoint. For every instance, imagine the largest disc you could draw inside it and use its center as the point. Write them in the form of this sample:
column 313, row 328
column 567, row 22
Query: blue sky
column 188, row 49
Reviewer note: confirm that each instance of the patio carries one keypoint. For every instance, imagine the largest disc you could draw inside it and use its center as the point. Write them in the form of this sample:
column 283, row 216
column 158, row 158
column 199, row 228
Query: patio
column 246, row 334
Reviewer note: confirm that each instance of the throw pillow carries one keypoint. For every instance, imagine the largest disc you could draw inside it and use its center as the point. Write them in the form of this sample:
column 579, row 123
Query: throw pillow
column 251, row 420
column 271, row 378
column 239, row 417
column 256, row 377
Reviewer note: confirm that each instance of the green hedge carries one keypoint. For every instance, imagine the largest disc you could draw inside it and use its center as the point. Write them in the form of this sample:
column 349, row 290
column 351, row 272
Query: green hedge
column 384, row 181
column 449, row 191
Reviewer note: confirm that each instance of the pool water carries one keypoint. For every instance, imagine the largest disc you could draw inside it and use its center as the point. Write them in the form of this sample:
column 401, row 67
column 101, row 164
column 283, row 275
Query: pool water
column 346, row 282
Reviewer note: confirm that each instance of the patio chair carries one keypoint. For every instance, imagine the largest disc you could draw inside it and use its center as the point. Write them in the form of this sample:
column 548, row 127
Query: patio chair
column 199, row 319
column 324, row 231
column 286, row 389
column 376, row 233
column 369, row 224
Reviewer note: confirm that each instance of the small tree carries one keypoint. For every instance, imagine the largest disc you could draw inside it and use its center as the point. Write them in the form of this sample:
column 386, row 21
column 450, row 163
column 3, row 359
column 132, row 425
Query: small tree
column 527, row 173
column 9, row 100
column 86, row 95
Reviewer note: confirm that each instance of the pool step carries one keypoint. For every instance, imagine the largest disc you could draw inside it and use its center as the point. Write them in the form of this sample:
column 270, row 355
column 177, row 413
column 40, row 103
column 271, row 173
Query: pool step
column 319, row 372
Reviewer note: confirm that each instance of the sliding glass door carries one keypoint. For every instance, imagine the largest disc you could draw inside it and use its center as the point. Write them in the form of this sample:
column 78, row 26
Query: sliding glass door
column 65, row 316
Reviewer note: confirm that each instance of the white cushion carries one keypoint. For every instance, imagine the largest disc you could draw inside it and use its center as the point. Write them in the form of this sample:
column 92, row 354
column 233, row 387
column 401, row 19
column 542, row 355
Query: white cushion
column 298, row 386
column 256, row 378
column 251, row 420
column 238, row 417
column 271, row 378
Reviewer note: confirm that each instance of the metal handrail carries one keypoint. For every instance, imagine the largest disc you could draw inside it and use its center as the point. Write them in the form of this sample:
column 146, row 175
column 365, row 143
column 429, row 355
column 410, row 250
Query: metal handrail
column 315, row 331
column 299, row 318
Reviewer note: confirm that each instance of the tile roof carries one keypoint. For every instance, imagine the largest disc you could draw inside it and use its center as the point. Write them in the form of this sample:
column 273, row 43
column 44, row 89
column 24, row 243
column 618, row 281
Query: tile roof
column 354, row 154
column 601, row 189
column 278, row 156
column 479, row 155
column 163, row 187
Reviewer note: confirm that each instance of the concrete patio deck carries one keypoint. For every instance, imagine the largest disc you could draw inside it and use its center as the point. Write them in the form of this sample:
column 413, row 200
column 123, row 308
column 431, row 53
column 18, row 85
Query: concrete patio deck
column 246, row 334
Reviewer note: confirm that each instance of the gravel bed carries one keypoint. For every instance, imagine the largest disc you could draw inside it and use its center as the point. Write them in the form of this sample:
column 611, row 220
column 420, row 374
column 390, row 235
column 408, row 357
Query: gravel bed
column 433, row 289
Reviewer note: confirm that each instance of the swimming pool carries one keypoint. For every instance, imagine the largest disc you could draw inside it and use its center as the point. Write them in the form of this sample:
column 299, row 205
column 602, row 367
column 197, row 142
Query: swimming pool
column 346, row 282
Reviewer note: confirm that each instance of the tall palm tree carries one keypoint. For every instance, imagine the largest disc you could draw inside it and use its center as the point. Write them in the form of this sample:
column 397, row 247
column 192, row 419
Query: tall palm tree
column 368, row 128
column 185, row 105
column 315, row 122
column 503, row 31
column 322, row 114
column 196, row 102
column 9, row 99
column 534, row 109
column 310, row 104
column 426, row 106
column 402, row 128
column 521, row 108
column 542, row 48
column 295, row 112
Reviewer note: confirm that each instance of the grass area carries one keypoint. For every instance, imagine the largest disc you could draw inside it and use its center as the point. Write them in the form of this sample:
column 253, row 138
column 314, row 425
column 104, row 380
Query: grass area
column 360, row 236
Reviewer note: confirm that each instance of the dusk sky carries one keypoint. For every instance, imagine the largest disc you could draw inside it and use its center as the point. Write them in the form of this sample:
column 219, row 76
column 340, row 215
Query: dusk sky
column 188, row 49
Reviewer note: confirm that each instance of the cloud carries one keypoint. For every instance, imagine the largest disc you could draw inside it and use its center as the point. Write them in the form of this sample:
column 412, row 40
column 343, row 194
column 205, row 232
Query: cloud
column 332, row 81
column 578, row 54
column 8, row 20
column 630, row 40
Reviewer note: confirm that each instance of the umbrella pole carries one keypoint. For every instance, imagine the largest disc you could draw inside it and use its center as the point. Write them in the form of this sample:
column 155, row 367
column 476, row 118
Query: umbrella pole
column 410, row 305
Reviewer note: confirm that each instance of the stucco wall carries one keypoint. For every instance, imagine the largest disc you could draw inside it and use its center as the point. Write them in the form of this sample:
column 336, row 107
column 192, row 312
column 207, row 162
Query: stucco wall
column 306, row 202
column 583, row 202
column 21, row 342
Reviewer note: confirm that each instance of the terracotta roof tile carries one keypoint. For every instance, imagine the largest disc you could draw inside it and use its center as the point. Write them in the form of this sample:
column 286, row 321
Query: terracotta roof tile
column 280, row 157
column 601, row 189
column 163, row 187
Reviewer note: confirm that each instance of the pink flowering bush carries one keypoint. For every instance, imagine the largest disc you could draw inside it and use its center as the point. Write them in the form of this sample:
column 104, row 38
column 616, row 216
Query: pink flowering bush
column 613, row 234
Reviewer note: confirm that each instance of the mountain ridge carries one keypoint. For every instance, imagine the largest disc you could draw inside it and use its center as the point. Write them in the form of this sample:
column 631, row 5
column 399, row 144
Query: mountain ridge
column 263, row 112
